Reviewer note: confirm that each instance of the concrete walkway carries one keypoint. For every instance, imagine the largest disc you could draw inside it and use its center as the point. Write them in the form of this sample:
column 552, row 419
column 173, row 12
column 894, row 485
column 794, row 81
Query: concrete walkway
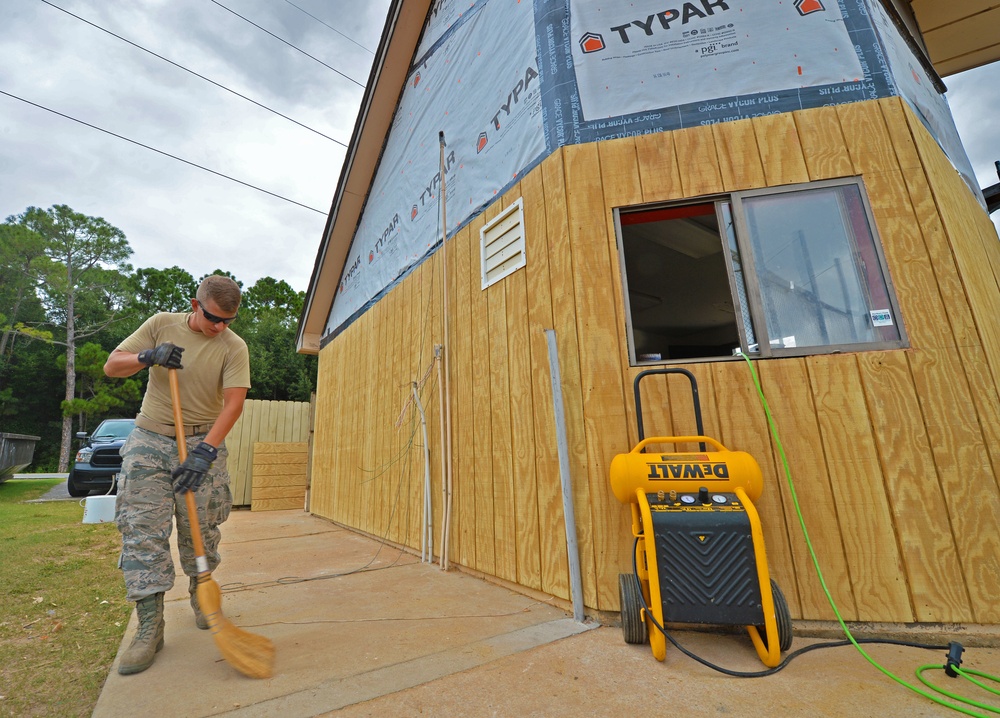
column 364, row 630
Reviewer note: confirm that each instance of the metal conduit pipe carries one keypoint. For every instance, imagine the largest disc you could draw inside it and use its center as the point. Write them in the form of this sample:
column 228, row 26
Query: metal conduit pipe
column 572, row 551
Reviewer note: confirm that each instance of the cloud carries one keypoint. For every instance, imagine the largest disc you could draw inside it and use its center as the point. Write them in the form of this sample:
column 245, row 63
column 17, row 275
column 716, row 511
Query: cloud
column 974, row 97
column 173, row 213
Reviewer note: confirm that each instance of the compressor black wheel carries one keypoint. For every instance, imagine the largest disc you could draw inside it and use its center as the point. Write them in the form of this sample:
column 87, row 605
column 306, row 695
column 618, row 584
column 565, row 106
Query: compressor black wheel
column 783, row 617
column 633, row 627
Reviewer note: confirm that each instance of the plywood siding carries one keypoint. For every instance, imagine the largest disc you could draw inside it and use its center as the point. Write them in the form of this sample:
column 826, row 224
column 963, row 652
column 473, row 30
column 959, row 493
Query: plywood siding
column 894, row 455
column 274, row 421
column 280, row 472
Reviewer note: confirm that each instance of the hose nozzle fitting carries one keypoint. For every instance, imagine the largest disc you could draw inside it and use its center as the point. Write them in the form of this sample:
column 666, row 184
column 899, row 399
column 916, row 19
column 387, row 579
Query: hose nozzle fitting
column 955, row 651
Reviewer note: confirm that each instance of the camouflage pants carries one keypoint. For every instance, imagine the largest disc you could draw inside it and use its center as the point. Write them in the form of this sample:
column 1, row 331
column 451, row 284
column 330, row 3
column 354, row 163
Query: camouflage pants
column 147, row 506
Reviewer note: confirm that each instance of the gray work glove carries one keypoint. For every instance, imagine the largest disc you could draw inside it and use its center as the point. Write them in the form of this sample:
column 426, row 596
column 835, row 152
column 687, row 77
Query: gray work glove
column 192, row 472
column 168, row 355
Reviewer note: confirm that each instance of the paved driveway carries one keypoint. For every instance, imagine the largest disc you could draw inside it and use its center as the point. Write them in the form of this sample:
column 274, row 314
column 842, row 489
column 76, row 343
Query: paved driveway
column 56, row 493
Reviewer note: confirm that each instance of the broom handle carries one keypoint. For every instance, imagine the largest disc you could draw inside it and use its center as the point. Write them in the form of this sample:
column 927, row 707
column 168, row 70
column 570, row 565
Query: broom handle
column 192, row 509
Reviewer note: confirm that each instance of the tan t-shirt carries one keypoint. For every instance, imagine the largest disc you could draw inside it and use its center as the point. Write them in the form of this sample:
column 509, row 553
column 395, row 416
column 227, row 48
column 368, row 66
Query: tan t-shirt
column 211, row 364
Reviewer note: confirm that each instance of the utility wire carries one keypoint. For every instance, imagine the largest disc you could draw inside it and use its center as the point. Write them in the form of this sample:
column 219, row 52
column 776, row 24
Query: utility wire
column 206, row 79
column 165, row 154
column 299, row 49
column 350, row 39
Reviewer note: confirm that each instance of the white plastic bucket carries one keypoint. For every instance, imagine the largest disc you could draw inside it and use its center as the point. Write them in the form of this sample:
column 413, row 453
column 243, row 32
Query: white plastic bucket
column 98, row 509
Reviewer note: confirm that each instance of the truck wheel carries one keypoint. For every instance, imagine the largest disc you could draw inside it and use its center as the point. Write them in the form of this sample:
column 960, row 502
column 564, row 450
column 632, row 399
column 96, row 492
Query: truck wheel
column 75, row 491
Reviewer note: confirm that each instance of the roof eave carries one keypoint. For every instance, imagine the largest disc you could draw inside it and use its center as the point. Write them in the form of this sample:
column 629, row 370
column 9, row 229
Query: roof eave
column 404, row 23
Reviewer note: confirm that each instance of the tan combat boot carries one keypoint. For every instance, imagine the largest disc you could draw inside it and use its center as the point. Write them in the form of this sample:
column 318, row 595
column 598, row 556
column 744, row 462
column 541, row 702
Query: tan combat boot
column 199, row 618
column 148, row 636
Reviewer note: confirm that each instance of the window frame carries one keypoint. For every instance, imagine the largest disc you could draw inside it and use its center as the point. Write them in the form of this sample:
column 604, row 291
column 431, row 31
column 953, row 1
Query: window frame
column 755, row 304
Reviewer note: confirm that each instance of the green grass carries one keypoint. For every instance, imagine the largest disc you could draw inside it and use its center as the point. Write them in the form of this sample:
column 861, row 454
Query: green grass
column 63, row 611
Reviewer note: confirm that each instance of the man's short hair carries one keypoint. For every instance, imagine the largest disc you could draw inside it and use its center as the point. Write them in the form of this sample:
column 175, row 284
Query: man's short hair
column 221, row 290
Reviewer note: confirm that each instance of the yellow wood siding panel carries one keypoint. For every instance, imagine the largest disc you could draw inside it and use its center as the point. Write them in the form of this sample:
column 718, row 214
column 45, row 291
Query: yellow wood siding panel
column 787, row 388
column 482, row 443
column 279, row 475
column 918, row 505
column 505, row 547
column 464, row 522
column 522, row 418
column 873, row 560
column 894, row 454
column 739, row 160
column 699, row 166
column 780, row 150
column 569, row 347
column 822, row 141
column 550, row 524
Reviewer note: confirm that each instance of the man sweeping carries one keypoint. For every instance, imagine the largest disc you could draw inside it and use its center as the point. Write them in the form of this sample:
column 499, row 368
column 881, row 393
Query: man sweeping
column 216, row 371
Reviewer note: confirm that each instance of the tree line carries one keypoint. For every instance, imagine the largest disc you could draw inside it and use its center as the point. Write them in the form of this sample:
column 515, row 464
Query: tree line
column 68, row 297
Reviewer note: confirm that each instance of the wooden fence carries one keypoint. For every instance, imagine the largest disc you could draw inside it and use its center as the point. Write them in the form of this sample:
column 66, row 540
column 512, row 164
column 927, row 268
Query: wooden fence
column 262, row 421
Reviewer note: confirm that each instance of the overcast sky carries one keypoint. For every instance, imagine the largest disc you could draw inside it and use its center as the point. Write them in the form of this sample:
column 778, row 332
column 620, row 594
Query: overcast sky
column 175, row 214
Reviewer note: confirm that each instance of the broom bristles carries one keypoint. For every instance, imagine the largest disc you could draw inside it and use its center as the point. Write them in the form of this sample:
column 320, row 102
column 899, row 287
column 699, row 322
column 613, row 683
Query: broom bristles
column 250, row 654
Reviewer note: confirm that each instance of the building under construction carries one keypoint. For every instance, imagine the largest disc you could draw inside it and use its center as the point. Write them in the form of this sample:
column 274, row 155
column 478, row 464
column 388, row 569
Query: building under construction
column 668, row 184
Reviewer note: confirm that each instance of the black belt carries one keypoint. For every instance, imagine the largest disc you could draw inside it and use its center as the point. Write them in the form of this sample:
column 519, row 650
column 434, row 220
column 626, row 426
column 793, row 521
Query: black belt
column 169, row 429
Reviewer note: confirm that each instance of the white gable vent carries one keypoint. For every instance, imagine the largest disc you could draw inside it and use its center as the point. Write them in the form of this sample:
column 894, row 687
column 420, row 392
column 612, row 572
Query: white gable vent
column 502, row 244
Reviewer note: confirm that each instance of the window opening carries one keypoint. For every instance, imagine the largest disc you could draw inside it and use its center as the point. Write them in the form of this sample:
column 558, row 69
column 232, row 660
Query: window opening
column 678, row 283
column 794, row 270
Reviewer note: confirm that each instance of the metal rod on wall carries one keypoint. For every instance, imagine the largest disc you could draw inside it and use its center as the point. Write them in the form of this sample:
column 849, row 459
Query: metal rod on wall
column 572, row 551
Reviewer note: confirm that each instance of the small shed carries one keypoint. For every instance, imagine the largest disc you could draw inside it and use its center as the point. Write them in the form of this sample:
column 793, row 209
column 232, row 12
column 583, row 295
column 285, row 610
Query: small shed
column 668, row 184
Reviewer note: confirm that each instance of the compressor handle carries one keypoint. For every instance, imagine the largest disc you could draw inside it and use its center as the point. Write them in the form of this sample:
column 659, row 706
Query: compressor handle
column 699, row 427
column 702, row 440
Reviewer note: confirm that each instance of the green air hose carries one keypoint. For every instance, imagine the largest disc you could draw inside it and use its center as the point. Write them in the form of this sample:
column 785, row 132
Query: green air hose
column 951, row 667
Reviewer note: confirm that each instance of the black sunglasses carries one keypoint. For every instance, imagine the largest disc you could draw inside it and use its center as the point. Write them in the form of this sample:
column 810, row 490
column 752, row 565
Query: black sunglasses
column 214, row 319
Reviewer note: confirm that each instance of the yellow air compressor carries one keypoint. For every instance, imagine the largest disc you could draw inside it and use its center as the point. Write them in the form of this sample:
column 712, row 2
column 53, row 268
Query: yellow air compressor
column 699, row 548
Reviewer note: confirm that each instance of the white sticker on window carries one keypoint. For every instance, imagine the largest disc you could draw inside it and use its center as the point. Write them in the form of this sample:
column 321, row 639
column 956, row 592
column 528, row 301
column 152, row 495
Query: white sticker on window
column 881, row 318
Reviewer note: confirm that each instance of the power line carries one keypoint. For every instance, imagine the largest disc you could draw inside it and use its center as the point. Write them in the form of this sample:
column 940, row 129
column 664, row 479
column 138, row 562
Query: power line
column 350, row 39
column 206, row 79
column 299, row 49
column 165, row 154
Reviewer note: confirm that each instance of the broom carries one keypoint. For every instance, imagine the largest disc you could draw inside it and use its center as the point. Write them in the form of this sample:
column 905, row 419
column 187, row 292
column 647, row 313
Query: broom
column 250, row 654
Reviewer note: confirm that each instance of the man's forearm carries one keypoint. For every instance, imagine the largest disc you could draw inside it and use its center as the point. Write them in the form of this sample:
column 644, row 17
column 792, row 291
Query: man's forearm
column 232, row 408
column 123, row 364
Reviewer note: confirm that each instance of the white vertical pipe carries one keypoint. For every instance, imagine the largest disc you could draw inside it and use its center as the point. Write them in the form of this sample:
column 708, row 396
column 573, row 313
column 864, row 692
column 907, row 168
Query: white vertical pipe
column 446, row 509
column 443, row 444
column 572, row 551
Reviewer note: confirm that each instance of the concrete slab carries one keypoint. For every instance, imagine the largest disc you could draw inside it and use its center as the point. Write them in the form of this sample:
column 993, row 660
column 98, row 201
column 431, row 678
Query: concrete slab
column 351, row 620
column 362, row 629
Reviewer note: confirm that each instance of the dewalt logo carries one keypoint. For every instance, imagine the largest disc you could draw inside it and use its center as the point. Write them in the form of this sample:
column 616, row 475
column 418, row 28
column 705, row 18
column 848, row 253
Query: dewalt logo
column 688, row 470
